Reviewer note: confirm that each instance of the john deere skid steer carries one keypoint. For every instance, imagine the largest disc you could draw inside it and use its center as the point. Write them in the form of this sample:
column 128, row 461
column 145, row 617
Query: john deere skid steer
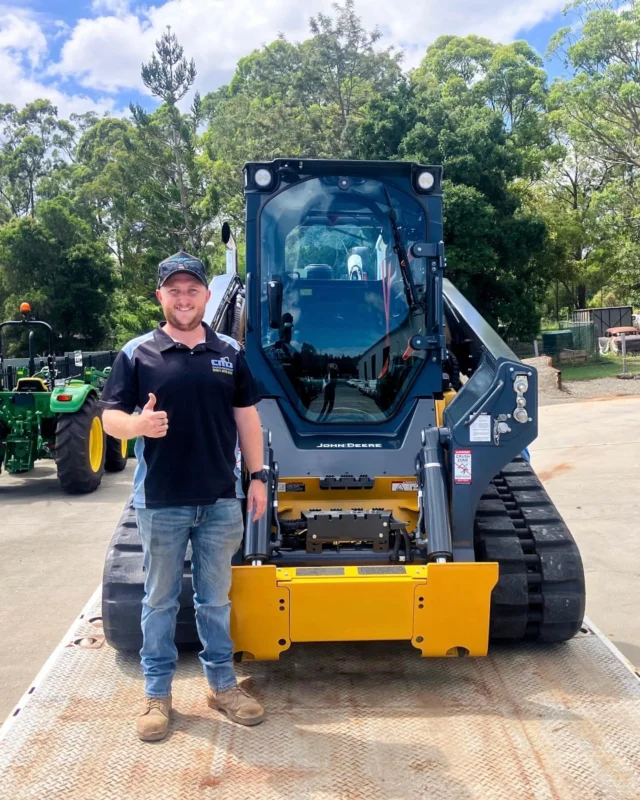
column 400, row 504
column 43, row 417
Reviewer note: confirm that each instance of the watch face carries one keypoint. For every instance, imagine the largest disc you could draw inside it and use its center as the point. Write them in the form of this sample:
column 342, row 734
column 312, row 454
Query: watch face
column 262, row 475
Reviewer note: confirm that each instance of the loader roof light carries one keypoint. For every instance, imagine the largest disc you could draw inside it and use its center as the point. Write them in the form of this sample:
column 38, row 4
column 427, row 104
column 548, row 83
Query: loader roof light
column 25, row 308
column 263, row 177
column 426, row 180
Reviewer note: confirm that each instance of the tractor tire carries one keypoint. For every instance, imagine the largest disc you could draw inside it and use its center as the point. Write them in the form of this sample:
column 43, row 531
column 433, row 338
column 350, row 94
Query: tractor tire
column 80, row 448
column 540, row 594
column 123, row 591
column 115, row 459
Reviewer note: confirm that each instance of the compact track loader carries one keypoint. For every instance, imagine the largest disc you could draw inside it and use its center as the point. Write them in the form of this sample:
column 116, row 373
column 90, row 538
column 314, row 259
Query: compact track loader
column 400, row 504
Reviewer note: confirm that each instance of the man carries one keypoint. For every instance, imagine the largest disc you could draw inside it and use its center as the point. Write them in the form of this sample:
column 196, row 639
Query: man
column 329, row 385
column 196, row 396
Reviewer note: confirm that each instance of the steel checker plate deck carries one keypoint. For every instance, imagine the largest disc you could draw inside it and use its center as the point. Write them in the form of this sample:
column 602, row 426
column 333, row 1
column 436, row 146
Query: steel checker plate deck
column 344, row 721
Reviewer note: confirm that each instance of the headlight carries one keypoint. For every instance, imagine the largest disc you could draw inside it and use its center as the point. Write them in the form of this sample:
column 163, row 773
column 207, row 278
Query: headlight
column 262, row 177
column 426, row 181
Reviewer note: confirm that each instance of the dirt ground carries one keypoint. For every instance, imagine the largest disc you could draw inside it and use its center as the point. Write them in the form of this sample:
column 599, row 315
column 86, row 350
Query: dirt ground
column 549, row 393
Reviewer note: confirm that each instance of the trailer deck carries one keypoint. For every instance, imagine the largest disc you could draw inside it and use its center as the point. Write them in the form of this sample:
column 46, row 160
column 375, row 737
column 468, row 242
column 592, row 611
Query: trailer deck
column 344, row 721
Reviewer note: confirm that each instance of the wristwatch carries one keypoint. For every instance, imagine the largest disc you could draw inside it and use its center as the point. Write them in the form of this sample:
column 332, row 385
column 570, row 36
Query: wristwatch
column 261, row 475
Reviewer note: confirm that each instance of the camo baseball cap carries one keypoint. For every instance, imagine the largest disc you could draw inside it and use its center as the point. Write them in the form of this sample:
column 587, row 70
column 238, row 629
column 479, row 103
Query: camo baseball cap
column 181, row 262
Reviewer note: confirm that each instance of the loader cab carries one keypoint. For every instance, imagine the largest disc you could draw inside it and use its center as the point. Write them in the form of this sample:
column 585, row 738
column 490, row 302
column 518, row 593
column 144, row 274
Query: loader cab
column 337, row 294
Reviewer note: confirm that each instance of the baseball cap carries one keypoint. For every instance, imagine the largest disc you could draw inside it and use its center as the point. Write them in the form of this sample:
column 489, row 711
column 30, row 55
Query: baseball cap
column 181, row 262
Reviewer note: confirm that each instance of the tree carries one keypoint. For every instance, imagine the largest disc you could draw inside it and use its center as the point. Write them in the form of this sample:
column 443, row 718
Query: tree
column 33, row 143
column 55, row 262
column 302, row 99
column 565, row 197
column 598, row 107
column 601, row 100
column 169, row 77
column 509, row 79
column 343, row 69
column 473, row 106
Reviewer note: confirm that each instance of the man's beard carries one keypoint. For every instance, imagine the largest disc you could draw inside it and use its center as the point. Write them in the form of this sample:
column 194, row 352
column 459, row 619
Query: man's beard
column 181, row 326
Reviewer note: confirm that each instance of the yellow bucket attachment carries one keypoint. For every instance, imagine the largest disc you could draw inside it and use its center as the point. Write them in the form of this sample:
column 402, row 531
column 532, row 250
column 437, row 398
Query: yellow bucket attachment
column 442, row 609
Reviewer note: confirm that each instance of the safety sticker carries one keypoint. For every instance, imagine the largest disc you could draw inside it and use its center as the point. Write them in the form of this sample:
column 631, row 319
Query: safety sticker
column 291, row 487
column 480, row 429
column 404, row 486
column 462, row 466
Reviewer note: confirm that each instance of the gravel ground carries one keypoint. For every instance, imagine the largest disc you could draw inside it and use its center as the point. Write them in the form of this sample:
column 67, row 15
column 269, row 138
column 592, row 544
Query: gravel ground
column 572, row 391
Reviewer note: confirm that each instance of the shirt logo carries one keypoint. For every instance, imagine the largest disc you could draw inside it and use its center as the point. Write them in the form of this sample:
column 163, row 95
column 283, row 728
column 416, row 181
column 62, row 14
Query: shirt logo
column 222, row 365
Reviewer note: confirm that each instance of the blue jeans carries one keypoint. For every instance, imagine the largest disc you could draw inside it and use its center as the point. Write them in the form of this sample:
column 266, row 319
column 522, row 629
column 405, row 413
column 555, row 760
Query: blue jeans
column 216, row 533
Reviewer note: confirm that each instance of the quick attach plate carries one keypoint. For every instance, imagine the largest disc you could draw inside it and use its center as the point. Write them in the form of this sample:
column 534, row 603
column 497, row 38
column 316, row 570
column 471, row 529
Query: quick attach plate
column 347, row 526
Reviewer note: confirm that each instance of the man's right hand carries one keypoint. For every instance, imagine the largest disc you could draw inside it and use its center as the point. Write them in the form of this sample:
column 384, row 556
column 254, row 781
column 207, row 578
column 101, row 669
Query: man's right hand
column 153, row 424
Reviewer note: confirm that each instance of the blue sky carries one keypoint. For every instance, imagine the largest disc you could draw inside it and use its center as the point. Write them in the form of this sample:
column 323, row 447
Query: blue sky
column 86, row 54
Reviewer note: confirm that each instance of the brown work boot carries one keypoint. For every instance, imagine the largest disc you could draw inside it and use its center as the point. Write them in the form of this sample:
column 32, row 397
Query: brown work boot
column 153, row 721
column 237, row 704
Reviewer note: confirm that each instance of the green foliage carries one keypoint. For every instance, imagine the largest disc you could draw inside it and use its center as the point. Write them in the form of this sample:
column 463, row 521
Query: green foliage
column 302, row 99
column 477, row 108
column 601, row 101
column 33, row 143
column 52, row 262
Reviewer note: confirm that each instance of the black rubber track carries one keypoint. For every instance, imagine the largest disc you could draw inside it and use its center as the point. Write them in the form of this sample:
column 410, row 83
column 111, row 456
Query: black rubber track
column 123, row 590
column 72, row 449
column 540, row 595
column 114, row 460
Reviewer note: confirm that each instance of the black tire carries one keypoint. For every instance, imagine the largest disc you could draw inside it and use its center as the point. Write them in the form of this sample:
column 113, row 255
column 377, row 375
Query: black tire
column 76, row 473
column 540, row 595
column 114, row 460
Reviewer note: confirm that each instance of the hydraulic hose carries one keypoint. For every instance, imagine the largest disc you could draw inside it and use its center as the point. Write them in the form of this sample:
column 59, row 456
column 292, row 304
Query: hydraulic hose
column 434, row 499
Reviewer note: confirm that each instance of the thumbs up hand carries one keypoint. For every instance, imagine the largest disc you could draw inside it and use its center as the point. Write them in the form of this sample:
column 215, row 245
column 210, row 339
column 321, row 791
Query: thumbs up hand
column 153, row 424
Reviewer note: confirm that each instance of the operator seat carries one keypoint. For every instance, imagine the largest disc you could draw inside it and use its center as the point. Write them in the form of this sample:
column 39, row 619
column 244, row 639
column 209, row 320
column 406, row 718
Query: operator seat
column 31, row 385
column 319, row 272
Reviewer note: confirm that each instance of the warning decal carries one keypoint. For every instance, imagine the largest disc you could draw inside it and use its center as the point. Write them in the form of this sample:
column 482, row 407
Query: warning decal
column 404, row 486
column 462, row 466
column 480, row 430
column 291, row 487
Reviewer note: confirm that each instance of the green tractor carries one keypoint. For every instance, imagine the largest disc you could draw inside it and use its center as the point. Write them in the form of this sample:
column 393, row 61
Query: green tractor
column 42, row 417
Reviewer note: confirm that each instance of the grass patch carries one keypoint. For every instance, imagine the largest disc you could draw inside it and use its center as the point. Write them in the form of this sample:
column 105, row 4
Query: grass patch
column 603, row 368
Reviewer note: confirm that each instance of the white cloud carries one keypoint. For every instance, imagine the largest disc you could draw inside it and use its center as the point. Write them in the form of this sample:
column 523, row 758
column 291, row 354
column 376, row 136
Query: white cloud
column 105, row 53
column 117, row 7
column 22, row 36
column 23, row 49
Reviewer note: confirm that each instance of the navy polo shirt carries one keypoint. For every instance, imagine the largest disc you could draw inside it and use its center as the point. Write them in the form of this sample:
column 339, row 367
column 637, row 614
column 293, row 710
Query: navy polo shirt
column 198, row 387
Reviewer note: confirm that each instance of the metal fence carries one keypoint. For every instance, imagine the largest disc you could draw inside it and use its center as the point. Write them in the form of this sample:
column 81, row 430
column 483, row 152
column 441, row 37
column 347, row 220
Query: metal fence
column 523, row 349
column 576, row 342
column 573, row 342
column 604, row 318
column 67, row 366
